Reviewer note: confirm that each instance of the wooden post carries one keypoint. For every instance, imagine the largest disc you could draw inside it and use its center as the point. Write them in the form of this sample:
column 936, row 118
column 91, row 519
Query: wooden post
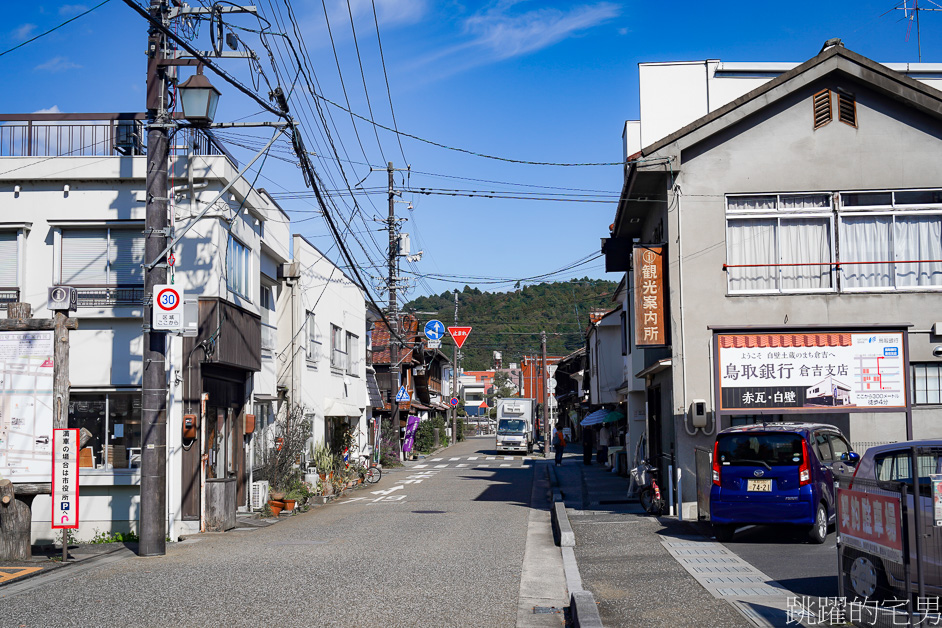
column 60, row 361
column 15, row 523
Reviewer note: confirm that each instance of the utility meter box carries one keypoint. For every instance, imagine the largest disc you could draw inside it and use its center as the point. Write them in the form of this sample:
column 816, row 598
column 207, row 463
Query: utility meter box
column 698, row 413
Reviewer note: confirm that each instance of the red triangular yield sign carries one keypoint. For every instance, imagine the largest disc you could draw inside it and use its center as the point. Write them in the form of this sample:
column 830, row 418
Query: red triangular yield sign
column 460, row 334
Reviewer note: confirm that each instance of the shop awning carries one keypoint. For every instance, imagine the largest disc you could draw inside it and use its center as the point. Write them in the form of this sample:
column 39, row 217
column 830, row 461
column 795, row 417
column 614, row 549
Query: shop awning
column 338, row 407
column 594, row 418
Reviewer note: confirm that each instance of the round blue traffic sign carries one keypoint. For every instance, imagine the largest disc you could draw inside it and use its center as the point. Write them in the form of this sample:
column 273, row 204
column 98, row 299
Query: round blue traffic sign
column 454, row 401
column 434, row 330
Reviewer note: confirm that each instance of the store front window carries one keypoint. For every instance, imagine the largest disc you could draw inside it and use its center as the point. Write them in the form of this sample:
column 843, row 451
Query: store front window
column 114, row 421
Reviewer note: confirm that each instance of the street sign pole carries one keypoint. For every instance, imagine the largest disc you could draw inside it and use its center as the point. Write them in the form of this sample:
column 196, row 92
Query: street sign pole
column 542, row 379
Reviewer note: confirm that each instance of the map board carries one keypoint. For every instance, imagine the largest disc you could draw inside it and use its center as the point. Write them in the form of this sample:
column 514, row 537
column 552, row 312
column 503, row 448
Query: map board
column 26, row 405
column 820, row 371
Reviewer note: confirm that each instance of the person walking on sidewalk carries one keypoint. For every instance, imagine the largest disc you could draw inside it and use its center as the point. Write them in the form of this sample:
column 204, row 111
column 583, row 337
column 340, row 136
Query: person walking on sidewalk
column 559, row 445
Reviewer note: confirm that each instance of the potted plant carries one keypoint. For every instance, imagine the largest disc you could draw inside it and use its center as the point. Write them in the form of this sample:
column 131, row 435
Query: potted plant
column 279, row 448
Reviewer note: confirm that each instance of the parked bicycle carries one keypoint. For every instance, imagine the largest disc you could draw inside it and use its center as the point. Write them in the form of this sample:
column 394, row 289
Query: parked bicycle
column 649, row 493
column 372, row 470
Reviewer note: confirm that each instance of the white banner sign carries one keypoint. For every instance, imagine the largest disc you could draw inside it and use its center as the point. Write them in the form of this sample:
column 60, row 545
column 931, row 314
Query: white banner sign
column 811, row 370
column 65, row 478
column 26, row 405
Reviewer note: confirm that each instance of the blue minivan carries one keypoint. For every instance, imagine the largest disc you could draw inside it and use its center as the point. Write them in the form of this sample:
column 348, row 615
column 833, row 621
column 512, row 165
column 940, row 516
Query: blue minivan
column 776, row 473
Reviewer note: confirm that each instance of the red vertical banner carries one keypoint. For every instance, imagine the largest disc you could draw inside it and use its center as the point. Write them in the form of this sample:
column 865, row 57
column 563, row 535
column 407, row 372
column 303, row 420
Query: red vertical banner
column 65, row 478
column 649, row 310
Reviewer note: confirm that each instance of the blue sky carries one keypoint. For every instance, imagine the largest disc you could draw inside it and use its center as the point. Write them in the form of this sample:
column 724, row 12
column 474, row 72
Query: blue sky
column 523, row 80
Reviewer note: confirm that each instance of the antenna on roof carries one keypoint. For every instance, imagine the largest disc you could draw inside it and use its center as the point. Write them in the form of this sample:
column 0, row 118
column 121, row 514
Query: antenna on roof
column 911, row 9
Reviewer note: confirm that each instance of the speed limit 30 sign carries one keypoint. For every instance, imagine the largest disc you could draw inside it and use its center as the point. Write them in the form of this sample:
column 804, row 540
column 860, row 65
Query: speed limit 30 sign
column 168, row 308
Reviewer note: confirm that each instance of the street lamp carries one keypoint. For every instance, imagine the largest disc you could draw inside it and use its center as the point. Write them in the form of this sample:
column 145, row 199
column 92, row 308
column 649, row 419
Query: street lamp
column 198, row 98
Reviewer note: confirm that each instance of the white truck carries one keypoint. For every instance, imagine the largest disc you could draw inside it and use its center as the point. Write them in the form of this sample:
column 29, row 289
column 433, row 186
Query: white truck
column 515, row 425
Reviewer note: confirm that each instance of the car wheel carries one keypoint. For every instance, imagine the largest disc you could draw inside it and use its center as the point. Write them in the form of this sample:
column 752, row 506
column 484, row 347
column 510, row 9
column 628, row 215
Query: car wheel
column 819, row 530
column 723, row 532
column 864, row 578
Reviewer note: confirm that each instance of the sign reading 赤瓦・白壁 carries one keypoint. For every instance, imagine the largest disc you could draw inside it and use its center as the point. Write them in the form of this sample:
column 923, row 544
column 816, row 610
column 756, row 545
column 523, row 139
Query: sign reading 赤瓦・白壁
column 819, row 370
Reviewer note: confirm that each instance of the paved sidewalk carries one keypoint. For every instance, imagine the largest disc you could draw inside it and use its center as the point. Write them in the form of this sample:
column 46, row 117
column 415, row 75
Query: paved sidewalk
column 621, row 557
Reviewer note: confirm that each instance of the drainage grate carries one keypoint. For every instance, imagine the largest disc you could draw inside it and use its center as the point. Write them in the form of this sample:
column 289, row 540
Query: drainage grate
column 429, row 512
column 546, row 610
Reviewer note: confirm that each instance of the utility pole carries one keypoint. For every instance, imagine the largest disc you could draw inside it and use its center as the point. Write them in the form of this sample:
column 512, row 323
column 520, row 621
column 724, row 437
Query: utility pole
column 542, row 380
column 393, row 309
column 153, row 517
column 454, row 380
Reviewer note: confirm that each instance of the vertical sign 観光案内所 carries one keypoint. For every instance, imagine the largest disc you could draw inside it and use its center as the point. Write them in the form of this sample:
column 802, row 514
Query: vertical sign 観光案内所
column 65, row 478
column 650, row 330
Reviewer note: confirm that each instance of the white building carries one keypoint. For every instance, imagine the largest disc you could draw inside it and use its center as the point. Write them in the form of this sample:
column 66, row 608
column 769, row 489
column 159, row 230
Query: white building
column 322, row 341
column 72, row 213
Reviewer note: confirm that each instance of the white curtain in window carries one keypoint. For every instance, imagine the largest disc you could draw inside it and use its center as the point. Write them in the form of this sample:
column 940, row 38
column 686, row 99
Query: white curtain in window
column 85, row 257
column 866, row 239
column 10, row 259
column 741, row 203
column 752, row 241
column 917, row 241
column 805, row 241
column 805, row 201
column 126, row 254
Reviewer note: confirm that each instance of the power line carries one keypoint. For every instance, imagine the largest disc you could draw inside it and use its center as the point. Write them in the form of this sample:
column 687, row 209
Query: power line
column 55, row 28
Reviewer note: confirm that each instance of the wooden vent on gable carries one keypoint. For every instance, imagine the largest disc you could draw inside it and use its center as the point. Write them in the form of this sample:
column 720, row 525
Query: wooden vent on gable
column 847, row 109
column 822, row 108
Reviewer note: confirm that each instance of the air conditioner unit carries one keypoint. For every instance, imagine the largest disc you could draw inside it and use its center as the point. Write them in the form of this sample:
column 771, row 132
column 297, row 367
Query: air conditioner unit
column 259, row 495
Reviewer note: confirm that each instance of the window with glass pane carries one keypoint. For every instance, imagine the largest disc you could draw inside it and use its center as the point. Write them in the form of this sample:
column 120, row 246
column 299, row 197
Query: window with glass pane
column 353, row 353
column 114, row 421
column 311, row 337
column 927, row 383
column 917, row 245
column 102, row 257
column 8, row 253
column 237, row 267
column 866, row 251
column 781, row 253
column 338, row 353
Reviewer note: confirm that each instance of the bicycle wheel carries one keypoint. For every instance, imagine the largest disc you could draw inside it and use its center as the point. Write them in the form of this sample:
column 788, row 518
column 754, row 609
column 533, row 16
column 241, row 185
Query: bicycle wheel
column 646, row 497
column 373, row 475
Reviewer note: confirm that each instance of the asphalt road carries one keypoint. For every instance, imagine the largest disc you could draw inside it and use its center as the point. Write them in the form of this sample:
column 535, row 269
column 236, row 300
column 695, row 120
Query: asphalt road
column 434, row 544
column 785, row 555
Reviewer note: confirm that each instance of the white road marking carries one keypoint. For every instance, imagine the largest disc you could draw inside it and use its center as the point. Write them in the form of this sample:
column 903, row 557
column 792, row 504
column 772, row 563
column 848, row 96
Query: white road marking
column 490, row 458
column 461, row 465
column 453, row 459
column 472, row 458
column 483, row 465
column 410, row 481
column 420, row 466
column 437, row 459
column 440, row 466
column 508, row 457
column 505, row 465
column 388, row 490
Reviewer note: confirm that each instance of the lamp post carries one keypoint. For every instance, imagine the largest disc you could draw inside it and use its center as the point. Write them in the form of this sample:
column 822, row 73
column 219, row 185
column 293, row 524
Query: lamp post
column 198, row 98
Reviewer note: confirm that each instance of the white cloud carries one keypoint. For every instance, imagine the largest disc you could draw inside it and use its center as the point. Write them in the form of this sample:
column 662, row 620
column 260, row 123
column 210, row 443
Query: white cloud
column 52, row 109
column 72, row 9
column 23, row 31
column 57, row 64
column 388, row 12
column 506, row 35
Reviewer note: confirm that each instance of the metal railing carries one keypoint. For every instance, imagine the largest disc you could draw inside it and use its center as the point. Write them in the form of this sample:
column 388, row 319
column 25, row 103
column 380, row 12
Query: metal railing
column 9, row 295
column 106, row 296
column 93, row 135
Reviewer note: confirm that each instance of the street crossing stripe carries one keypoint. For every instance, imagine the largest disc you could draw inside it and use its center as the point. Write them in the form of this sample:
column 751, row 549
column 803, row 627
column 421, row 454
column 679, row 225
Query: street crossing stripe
column 508, row 457
column 490, row 458
column 483, row 465
column 440, row 466
column 461, row 465
column 437, row 459
column 505, row 465
column 473, row 458
column 420, row 466
column 12, row 573
column 453, row 459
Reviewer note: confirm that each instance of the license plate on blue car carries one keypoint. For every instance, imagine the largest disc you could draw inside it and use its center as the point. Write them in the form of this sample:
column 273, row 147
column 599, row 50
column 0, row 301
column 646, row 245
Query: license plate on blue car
column 759, row 485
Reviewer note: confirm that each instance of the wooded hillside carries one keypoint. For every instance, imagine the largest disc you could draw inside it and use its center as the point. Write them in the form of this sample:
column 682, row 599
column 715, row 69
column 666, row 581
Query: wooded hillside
column 510, row 322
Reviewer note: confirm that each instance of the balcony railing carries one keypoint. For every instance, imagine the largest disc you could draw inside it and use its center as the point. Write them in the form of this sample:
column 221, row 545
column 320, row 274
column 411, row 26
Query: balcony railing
column 93, row 135
column 9, row 295
column 107, row 296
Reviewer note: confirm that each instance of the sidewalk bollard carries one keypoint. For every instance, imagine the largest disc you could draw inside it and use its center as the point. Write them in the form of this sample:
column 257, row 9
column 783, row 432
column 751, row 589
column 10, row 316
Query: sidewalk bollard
column 438, row 442
column 670, row 490
column 680, row 496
